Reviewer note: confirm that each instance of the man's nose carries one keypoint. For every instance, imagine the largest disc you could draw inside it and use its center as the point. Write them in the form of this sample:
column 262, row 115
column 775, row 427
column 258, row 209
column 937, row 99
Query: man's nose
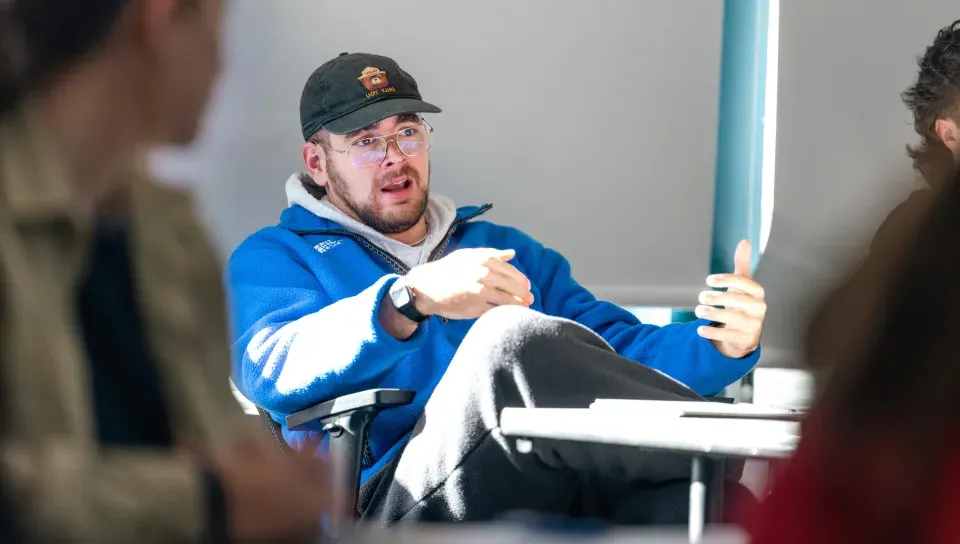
column 394, row 155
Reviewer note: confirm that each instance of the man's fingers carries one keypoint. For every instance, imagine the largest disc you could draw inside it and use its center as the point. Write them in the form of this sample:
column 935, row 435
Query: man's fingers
column 502, row 255
column 742, row 257
column 252, row 444
column 310, row 467
column 730, row 336
column 507, row 286
column 515, row 282
column 733, row 319
column 733, row 300
column 509, row 270
column 497, row 297
column 739, row 283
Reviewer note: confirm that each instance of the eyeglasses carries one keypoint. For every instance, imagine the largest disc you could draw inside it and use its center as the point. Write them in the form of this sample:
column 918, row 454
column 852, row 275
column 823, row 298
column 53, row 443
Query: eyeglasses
column 372, row 150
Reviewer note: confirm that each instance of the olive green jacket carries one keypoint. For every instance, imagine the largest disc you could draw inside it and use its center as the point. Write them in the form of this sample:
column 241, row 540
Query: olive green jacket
column 67, row 486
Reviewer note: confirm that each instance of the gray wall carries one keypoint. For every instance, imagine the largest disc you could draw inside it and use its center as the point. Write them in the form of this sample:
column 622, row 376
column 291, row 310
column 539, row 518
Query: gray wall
column 590, row 125
column 842, row 129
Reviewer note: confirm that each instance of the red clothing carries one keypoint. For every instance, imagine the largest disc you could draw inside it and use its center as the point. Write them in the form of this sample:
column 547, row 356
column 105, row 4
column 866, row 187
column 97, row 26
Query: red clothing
column 809, row 504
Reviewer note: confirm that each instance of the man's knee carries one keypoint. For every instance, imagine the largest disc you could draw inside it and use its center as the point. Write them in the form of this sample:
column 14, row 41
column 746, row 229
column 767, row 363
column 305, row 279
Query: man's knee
column 506, row 330
column 512, row 335
column 498, row 339
column 510, row 323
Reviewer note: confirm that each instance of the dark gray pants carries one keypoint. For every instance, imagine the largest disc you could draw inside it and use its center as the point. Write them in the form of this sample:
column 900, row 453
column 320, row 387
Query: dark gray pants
column 459, row 467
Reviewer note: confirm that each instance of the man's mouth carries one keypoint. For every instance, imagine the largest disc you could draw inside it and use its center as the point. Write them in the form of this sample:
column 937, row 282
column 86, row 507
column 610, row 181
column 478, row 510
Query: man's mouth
column 397, row 184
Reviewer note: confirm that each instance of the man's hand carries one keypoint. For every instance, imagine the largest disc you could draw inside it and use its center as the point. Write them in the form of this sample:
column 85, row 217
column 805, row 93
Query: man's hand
column 271, row 496
column 468, row 282
column 741, row 319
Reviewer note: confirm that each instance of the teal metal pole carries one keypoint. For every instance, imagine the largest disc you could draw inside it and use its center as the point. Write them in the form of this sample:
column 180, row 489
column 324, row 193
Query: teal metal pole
column 736, row 208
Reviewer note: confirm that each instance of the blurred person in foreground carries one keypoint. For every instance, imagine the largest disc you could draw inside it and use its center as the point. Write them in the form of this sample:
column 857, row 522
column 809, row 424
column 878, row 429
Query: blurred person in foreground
column 879, row 460
column 934, row 102
column 119, row 425
column 875, row 462
column 9, row 519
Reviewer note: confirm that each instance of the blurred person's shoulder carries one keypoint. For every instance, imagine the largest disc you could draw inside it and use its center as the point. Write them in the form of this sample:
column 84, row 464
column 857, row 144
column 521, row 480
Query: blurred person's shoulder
column 167, row 214
column 846, row 315
column 181, row 282
column 904, row 219
column 33, row 181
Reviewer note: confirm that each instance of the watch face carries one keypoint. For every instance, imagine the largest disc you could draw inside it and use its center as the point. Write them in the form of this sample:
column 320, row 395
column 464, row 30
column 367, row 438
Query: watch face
column 403, row 300
column 402, row 297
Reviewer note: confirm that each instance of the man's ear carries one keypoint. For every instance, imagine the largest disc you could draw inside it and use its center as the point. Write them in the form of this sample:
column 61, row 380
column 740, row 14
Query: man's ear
column 949, row 133
column 314, row 161
column 157, row 20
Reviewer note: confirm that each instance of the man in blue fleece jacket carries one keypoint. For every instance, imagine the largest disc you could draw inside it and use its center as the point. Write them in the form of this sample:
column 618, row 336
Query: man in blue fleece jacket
column 369, row 280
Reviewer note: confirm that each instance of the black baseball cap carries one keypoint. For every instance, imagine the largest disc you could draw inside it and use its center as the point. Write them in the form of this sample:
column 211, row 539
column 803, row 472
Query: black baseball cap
column 355, row 90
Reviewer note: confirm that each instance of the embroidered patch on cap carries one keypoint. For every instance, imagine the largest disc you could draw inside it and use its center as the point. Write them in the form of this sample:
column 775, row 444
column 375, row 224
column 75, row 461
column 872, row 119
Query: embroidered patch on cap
column 373, row 78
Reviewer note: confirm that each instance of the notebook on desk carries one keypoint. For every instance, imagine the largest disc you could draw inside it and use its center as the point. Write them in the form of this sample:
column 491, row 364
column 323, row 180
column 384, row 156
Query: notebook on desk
column 661, row 408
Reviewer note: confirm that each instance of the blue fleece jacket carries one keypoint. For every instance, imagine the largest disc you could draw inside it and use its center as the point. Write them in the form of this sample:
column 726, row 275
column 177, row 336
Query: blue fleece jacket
column 306, row 330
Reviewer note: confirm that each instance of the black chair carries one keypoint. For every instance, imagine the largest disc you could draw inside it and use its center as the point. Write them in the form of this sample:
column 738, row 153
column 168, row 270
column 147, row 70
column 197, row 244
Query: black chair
column 344, row 420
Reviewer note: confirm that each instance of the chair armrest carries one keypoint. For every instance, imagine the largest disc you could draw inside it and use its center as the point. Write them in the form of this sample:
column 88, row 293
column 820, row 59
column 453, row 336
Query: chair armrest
column 372, row 399
column 345, row 419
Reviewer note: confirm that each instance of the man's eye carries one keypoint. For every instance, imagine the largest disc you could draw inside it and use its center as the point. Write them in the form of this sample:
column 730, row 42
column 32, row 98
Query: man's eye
column 363, row 143
column 407, row 132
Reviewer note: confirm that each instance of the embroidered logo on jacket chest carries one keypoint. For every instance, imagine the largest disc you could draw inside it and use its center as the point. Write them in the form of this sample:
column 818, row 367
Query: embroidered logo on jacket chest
column 326, row 245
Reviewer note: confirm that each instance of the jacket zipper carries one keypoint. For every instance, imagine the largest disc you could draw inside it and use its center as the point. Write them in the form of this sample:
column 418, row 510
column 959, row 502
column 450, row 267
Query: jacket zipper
column 446, row 239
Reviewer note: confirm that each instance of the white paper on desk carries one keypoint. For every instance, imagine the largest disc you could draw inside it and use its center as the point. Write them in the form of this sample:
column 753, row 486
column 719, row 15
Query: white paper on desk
column 670, row 408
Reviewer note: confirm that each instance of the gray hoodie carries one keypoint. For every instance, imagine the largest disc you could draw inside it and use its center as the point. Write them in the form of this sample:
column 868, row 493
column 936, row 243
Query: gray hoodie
column 441, row 212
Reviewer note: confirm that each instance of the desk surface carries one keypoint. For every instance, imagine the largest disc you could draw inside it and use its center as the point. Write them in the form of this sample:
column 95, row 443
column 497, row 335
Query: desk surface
column 749, row 438
column 518, row 534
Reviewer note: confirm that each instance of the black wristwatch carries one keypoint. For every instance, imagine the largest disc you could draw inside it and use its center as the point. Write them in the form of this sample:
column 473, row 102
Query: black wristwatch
column 404, row 300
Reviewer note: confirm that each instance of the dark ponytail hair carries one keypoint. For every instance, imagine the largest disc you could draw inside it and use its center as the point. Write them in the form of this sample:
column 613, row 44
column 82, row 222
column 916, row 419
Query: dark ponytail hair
column 41, row 38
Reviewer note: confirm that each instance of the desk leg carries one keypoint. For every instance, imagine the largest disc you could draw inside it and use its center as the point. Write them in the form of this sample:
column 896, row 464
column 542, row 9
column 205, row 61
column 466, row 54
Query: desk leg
column 716, row 489
column 706, row 494
column 698, row 497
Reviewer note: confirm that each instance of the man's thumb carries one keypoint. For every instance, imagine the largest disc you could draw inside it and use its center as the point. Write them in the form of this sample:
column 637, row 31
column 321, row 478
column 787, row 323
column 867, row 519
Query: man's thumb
column 742, row 257
column 505, row 254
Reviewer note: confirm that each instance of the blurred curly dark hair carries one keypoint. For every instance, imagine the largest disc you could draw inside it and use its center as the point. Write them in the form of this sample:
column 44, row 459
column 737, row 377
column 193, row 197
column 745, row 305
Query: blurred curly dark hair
column 935, row 95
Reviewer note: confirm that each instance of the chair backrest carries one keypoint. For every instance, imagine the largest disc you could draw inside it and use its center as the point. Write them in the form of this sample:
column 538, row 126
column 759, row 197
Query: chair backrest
column 274, row 429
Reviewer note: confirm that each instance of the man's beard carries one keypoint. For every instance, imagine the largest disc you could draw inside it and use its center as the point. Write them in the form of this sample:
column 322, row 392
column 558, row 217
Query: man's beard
column 370, row 213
